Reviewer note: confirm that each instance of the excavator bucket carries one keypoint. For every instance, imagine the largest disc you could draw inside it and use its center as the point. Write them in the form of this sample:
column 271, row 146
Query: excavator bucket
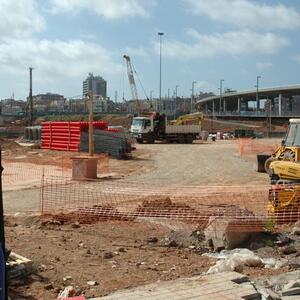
column 261, row 160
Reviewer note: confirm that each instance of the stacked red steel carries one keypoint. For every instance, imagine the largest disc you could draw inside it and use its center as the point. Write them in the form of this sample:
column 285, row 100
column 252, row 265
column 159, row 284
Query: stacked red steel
column 66, row 135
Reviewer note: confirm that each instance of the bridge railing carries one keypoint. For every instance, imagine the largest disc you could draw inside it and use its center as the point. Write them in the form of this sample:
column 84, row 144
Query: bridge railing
column 252, row 114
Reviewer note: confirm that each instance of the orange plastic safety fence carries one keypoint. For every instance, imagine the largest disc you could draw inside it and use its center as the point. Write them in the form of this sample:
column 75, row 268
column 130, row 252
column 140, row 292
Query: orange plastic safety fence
column 249, row 148
column 244, row 207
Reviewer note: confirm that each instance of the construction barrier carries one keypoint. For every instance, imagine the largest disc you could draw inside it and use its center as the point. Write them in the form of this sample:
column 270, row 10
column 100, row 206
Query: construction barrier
column 23, row 175
column 245, row 207
column 249, row 148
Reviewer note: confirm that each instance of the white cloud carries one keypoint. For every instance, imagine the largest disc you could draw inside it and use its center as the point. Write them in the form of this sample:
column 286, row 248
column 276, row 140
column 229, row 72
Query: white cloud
column 232, row 43
column 136, row 51
column 109, row 9
column 263, row 65
column 297, row 58
column 56, row 59
column 19, row 18
column 202, row 84
column 247, row 14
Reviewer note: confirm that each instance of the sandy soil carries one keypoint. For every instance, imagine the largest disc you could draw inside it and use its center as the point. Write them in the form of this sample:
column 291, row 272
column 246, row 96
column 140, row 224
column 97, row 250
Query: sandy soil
column 59, row 251
column 117, row 255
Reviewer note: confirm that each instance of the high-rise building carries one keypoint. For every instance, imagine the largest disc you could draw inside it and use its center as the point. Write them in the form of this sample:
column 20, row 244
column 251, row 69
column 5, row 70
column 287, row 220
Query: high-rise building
column 96, row 84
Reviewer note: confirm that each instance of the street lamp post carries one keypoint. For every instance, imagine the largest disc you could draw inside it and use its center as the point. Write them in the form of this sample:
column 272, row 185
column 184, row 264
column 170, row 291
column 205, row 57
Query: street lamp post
column 192, row 98
column 257, row 100
column 220, row 88
column 160, row 34
column 175, row 101
column 176, row 88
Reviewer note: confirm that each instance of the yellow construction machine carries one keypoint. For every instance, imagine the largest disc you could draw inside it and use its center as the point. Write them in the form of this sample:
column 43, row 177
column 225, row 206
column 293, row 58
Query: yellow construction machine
column 290, row 147
column 283, row 168
column 194, row 118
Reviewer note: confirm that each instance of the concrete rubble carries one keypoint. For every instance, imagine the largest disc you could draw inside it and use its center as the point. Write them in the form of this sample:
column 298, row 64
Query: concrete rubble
column 235, row 260
column 218, row 235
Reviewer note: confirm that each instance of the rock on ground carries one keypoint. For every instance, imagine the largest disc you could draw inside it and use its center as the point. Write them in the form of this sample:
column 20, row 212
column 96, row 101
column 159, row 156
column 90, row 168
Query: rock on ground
column 219, row 235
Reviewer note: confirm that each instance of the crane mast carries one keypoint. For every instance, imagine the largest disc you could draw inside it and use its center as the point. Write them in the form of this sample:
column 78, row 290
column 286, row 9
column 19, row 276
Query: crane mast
column 132, row 83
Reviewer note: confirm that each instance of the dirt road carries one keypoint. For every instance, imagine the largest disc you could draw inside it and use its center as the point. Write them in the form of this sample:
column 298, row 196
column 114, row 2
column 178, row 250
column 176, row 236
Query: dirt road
column 196, row 164
column 208, row 163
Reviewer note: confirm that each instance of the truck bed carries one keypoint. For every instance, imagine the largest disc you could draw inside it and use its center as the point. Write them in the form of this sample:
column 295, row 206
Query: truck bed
column 173, row 129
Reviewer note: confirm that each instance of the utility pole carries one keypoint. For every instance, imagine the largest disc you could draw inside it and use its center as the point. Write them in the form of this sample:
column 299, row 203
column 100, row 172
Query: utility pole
column 220, row 104
column 160, row 34
column 192, row 98
column 257, row 100
column 91, row 127
column 30, row 98
column 175, row 101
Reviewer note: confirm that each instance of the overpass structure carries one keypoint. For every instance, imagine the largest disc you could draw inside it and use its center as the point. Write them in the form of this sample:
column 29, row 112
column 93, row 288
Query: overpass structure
column 276, row 102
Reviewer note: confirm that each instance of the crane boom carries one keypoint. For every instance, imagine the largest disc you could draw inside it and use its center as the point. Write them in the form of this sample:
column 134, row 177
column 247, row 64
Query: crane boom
column 132, row 82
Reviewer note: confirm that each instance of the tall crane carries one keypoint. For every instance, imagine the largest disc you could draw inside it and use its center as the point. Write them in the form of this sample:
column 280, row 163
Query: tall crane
column 132, row 83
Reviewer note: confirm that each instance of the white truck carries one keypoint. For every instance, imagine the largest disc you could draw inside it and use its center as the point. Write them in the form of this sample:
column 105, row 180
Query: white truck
column 155, row 127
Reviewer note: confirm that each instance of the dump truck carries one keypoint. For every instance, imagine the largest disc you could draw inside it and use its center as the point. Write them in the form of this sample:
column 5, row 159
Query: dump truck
column 155, row 127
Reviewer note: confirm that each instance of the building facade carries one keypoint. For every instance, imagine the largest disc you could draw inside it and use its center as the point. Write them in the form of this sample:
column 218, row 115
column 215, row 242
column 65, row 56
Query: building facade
column 49, row 103
column 95, row 84
column 12, row 107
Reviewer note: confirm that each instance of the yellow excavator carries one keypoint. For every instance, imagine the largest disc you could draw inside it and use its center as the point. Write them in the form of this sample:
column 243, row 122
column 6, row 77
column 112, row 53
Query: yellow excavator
column 283, row 168
column 279, row 165
column 194, row 118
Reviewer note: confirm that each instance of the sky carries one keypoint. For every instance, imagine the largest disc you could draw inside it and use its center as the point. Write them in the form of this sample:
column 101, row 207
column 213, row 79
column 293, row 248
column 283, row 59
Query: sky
column 203, row 41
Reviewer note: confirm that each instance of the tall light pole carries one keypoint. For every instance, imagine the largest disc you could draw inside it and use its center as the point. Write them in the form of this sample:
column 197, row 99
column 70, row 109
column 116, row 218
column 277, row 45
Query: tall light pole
column 160, row 34
column 30, row 98
column 176, row 88
column 175, row 101
column 257, row 100
column 192, row 98
column 220, row 88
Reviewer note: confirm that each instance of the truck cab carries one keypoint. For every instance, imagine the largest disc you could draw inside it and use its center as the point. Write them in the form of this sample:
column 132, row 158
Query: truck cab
column 142, row 128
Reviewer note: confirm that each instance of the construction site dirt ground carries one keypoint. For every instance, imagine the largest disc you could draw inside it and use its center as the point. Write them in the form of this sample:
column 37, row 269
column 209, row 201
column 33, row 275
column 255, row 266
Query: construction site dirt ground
column 115, row 254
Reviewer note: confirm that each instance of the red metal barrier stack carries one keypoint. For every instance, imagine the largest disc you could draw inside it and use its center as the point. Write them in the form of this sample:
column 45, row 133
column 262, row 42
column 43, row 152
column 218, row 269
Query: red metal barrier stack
column 65, row 136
